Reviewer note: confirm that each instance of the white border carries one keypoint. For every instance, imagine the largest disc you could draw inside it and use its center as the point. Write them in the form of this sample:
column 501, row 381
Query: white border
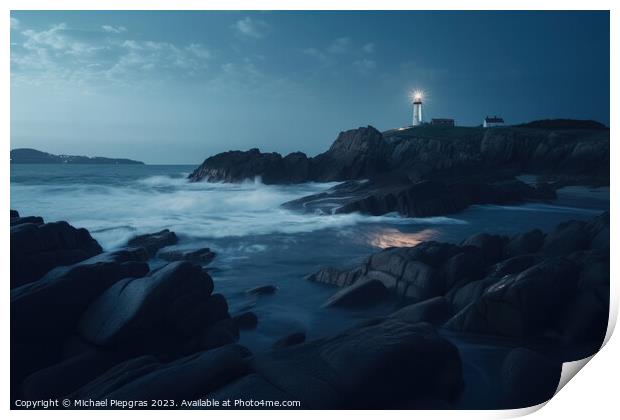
column 593, row 394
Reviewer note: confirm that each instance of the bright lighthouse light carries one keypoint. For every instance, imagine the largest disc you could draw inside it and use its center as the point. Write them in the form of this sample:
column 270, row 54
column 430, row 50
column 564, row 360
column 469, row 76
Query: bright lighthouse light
column 416, row 96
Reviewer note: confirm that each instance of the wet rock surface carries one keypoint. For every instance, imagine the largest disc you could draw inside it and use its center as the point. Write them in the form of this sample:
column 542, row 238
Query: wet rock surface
column 38, row 247
column 491, row 310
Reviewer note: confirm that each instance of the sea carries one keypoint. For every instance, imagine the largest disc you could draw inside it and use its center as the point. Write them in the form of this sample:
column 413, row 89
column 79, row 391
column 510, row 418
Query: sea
column 256, row 240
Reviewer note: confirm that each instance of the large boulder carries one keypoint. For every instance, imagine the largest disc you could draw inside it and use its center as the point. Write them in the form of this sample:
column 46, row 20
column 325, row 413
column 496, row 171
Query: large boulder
column 361, row 293
column 44, row 313
column 528, row 378
column 61, row 379
column 525, row 243
column 434, row 311
column 237, row 166
column 172, row 303
column 598, row 232
column 336, row 277
column 521, row 305
column 188, row 378
column 585, row 321
column 464, row 267
column 381, row 365
column 153, row 242
column 566, row 238
column 37, row 247
column 198, row 256
column 492, row 246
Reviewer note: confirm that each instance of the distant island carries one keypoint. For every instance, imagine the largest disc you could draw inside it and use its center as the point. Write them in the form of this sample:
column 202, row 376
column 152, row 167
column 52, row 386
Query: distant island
column 36, row 156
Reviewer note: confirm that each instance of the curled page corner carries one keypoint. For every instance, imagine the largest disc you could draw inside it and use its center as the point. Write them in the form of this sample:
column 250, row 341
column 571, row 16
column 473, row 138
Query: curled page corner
column 570, row 369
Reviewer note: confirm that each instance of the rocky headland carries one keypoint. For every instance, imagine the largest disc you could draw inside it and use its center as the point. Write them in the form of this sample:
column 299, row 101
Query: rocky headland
column 430, row 170
column 477, row 318
column 36, row 156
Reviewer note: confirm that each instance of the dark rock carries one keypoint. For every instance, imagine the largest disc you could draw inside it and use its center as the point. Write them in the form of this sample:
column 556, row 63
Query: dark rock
column 431, row 253
column 61, row 379
column 521, row 305
column 365, row 292
column 492, row 246
column 514, row 265
column 153, row 242
column 567, row 237
column 528, row 378
column 267, row 289
column 200, row 256
column 237, row 166
column 151, row 312
column 355, row 154
column 252, row 387
column 427, row 152
column 374, row 366
column 45, row 313
column 464, row 267
column 525, row 243
column 421, row 198
column 464, row 296
column 246, row 321
column 336, row 276
column 290, row 340
column 35, row 220
column 434, row 311
column 36, row 248
column 188, row 378
column 219, row 334
column 585, row 320
column 598, row 232
column 14, row 213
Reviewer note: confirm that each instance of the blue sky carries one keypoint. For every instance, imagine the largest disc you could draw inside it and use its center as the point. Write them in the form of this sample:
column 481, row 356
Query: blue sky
column 176, row 87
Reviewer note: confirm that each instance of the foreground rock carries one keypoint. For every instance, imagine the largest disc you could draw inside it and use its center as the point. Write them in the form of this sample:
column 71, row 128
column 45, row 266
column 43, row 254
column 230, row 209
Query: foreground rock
column 529, row 287
column 199, row 256
column 189, row 378
column 37, row 247
column 45, row 313
column 387, row 364
column 170, row 305
column 153, row 242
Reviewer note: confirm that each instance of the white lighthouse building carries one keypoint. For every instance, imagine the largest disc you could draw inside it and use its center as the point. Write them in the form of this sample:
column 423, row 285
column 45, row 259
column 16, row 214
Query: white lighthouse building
column 416, row 97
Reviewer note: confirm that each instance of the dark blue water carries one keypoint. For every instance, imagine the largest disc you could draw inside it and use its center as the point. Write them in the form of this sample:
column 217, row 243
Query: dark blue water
column 258, row 242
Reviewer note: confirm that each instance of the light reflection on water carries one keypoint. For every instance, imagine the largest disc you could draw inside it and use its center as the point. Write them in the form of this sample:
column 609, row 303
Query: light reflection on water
column 389, row 237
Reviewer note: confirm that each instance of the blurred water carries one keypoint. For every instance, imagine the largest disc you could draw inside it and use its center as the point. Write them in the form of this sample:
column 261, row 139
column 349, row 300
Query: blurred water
column 258, row 242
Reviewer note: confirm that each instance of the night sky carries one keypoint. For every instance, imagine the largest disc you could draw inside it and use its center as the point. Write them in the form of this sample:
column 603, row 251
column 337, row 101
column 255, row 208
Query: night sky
column 176, row 87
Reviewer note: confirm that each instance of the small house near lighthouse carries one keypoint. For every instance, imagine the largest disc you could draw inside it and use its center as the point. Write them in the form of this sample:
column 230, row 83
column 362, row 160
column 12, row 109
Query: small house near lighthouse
column 494, row 121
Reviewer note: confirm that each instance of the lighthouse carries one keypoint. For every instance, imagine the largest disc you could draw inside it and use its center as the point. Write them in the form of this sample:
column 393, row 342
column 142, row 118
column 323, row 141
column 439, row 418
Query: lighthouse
column 416, row 98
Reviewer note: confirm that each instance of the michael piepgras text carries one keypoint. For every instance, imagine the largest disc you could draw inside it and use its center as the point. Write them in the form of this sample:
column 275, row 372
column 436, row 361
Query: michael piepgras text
column 154, row 404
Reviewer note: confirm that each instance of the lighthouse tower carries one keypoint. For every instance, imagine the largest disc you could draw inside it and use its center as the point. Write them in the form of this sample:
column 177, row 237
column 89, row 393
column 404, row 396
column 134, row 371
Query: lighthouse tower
column 416, row 97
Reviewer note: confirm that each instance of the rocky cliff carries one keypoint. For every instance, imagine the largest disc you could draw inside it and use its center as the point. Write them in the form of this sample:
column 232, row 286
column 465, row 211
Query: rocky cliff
column 427, row 152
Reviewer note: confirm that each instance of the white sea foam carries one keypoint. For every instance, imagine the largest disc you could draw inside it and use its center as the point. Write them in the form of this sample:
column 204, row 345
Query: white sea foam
column 113, row 213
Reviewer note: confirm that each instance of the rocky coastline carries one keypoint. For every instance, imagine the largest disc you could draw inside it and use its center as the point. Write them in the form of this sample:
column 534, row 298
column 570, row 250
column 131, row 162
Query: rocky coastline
column 105, row 325
column 428, row 170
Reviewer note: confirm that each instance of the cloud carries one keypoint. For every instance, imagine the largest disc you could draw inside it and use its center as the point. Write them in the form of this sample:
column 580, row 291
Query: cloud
column 316, row 54
column 114, row 29
column 340, row 46
column 58, row 56
column 251, row 28
column 14, row 23
column 365, row 66
column 369, row 48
